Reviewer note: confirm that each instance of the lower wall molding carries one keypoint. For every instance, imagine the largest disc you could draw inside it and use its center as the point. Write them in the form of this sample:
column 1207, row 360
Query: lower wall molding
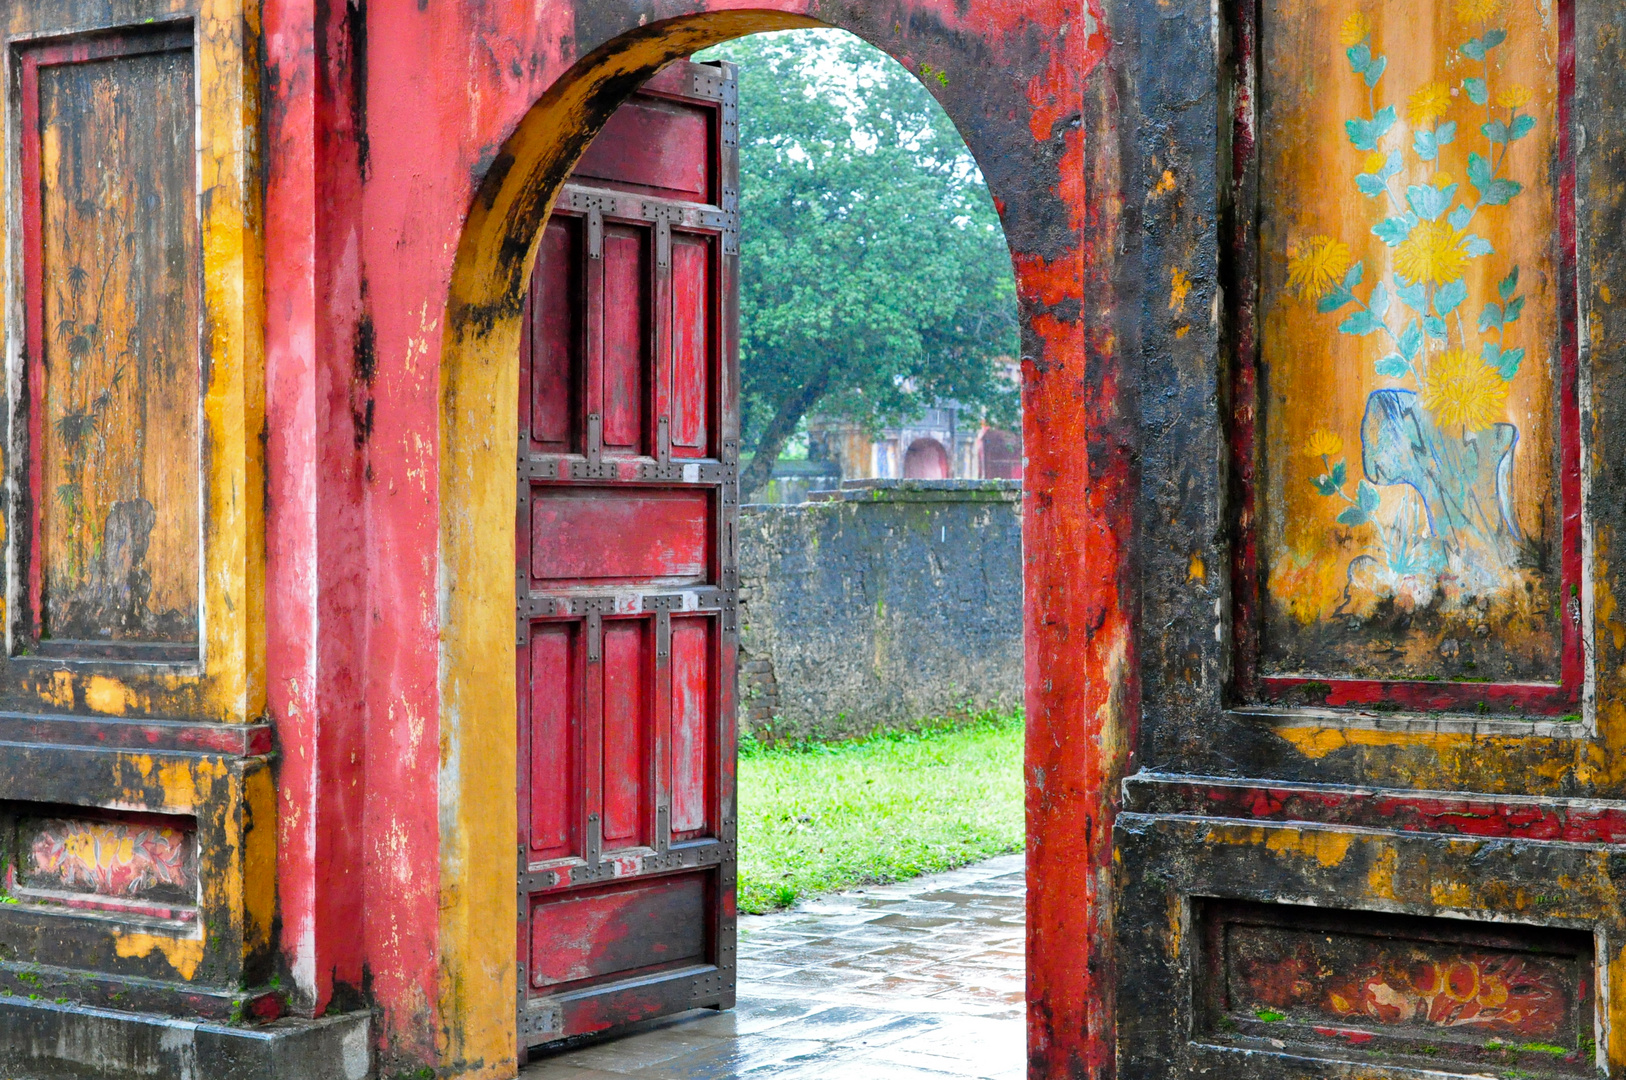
column 1284, row 931
column 46, row 1041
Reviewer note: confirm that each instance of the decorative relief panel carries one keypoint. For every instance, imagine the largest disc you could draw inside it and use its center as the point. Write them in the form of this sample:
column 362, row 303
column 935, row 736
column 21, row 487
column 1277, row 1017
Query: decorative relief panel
column 138, row 865
column 111, row 239
column 1417, row 505
column 1499, row 996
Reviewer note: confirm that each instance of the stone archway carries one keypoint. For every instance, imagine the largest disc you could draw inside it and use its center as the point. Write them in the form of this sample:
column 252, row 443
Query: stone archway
column 1018, row 86
column 926, row 459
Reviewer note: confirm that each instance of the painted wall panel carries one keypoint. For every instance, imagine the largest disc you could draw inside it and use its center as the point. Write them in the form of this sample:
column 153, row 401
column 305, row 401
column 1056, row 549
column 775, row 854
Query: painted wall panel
column 1410, row 354
column 1396, row 984
column 117, row 333
column 86, row 861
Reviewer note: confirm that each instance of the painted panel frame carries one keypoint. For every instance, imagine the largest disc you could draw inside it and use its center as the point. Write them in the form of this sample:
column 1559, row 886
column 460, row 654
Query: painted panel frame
column 48, row 438
column 222, row 679
column 1564, row 698
column 1171, row 866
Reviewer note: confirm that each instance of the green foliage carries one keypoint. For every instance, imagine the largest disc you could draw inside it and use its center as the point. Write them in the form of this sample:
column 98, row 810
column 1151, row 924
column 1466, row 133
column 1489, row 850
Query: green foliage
column 821, row 817
column 874, row 276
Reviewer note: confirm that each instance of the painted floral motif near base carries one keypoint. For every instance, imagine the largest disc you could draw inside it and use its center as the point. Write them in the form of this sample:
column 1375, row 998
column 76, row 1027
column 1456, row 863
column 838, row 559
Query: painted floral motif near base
column 1409, row 339
column 1502, row 994
column 1358, row 982
column 110, row 859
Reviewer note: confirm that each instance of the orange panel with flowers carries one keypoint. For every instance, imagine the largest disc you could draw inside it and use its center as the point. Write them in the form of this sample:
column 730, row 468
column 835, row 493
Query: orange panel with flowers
column 1410, row 354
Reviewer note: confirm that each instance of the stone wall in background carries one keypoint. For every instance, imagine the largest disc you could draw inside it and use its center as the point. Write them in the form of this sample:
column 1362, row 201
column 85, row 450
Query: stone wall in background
column 879, row 605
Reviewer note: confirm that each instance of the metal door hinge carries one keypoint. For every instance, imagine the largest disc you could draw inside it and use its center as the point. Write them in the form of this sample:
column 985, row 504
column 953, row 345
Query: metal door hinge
column 594, row 608
column 670, row 472
column 531, row 468
column 663, row 239
column 594, row 468
column 709, row 83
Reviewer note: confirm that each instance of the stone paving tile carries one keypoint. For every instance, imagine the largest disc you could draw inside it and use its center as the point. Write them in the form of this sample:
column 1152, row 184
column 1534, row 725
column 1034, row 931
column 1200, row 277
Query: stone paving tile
column 920, row 980
column 639, row 1051
column 732, row 1058
column 818, row 978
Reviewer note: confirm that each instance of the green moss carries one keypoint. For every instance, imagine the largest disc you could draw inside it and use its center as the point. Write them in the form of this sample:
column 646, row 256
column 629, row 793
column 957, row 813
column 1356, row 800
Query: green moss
column 1269, row 1016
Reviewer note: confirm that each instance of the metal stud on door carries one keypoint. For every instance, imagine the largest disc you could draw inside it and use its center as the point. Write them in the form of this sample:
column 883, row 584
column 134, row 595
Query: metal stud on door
column 626, row 574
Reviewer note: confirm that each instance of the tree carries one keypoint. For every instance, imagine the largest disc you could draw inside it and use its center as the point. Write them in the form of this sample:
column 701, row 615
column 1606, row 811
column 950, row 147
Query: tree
column 874, row 276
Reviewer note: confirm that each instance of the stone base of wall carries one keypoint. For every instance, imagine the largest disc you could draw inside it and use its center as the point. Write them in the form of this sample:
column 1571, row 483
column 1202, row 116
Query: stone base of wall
column 46, row 1041
column 880, row 605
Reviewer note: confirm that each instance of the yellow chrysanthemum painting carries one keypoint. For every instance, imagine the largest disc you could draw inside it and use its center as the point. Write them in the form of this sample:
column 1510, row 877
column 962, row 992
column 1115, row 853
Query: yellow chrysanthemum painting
column 1323, row 443
column 1460, row 390
column 1434, row 253
column 1407, row 491
column 1470, row 12
column 1316, row 266
column 1428, row 105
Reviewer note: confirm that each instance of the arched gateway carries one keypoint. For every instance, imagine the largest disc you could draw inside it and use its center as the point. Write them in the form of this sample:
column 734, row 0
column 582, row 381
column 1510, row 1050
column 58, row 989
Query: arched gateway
column 1024, row 120
column 1326, row 759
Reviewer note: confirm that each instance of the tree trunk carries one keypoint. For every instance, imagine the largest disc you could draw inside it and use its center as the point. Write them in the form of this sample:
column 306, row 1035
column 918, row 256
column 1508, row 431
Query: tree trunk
column 779, row 430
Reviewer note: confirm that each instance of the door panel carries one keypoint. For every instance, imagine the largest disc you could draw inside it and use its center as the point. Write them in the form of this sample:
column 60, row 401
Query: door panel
column 660, row 146
column 556, row 705
column 626, row 573
column 552, row 343
column 586, row 534
column 691, row 343
column 625, row 761
column 626, row 928
column 691, row 733
column 626, row 283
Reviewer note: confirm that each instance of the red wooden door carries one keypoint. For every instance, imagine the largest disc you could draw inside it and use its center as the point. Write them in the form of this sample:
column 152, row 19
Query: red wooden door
column 626, row 572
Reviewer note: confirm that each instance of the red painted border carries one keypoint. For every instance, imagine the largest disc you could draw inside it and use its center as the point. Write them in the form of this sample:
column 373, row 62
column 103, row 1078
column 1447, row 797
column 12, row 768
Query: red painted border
column 1247, row 609
column 163, row 37
column 1508, row 817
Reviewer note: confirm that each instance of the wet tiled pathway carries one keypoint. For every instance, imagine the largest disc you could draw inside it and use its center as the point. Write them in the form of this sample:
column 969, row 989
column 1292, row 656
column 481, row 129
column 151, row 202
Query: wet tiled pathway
column 916, row 981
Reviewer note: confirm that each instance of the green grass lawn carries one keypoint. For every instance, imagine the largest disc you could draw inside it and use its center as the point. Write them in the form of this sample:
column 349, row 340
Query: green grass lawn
column 891, row 806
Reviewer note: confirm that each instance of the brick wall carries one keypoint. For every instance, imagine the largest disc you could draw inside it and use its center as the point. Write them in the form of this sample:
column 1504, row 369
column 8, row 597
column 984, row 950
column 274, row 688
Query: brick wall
column 879, row 605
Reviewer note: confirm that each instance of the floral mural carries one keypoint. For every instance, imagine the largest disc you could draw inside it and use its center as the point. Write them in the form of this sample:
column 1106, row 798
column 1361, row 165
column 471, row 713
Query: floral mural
column 1408, row 340
column 111, row 858
column 1382, row 990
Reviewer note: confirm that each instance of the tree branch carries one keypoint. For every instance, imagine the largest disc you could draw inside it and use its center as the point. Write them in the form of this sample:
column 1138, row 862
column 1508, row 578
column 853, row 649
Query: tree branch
column 778, row 432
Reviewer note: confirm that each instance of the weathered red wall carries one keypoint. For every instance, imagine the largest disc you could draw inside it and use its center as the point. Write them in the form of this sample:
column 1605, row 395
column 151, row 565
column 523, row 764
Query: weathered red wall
column 381, row 124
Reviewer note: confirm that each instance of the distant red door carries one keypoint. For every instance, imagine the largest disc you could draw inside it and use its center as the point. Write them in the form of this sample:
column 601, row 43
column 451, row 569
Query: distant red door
column 627, row 579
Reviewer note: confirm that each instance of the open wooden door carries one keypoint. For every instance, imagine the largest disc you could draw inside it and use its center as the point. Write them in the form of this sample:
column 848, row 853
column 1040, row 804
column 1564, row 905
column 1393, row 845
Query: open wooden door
column 626, row 572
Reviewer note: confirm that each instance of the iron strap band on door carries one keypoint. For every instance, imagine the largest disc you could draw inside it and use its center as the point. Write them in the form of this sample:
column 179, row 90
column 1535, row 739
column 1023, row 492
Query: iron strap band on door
column 530, row 606
column 605, row 204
